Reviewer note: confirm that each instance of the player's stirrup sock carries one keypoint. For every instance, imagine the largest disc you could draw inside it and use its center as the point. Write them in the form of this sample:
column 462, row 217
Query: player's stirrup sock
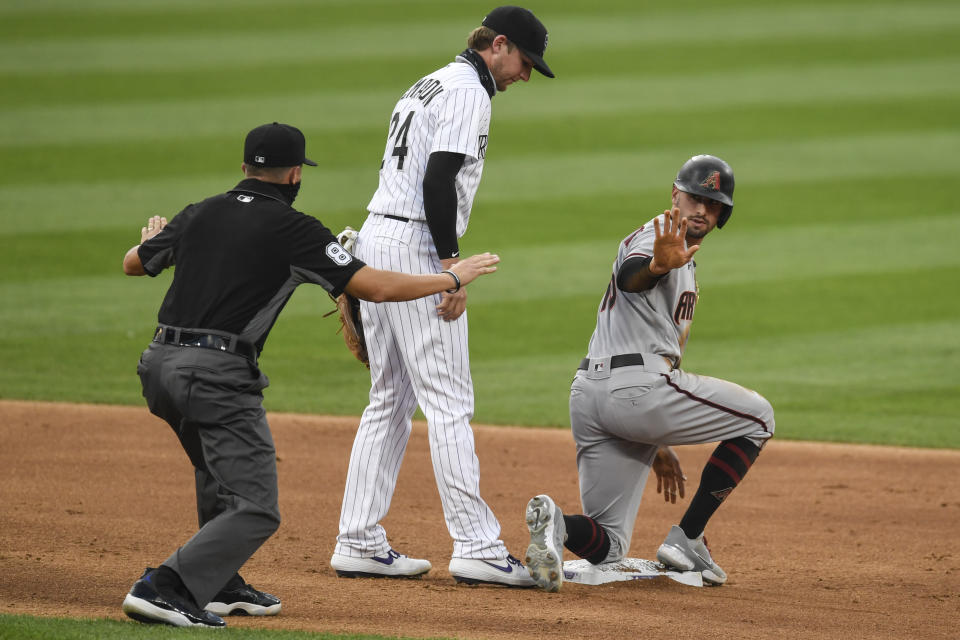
column 723, row 472
column 586, row 538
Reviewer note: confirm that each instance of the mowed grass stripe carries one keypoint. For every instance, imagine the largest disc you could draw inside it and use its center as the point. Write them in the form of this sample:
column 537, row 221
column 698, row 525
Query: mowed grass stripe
column 786, row 160
column 846, row 368
column 584, row 99
column 821, row 371
column 700, row 91
column 817, row 382
column 836, row 345
column 778, row 308
column 579, row 275
column 633, row 60
column 861, row 246
column 83, row 305
column 70, row 7
column 797, row 306
column 770, row 206
column 850, row 383
column 55, row 20
column 76, row 205
column 834, row 357
column 737, row 256
column 314, row 39
column 624, row 132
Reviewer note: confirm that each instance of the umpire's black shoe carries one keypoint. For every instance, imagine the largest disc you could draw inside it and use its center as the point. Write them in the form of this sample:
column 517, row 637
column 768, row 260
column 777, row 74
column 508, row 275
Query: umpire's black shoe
column 239, row 598
column 154, row 599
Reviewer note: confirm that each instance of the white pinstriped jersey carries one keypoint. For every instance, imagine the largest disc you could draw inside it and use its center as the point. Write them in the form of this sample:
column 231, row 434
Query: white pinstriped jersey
column 416, row 357
column 448, row 110
column 654, row 321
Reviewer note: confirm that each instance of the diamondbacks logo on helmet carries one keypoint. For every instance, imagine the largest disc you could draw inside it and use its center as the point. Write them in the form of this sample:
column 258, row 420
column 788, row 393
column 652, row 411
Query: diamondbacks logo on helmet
column 712, row 181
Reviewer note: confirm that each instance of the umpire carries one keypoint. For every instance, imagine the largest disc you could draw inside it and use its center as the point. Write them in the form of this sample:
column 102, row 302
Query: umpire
column 239, row 256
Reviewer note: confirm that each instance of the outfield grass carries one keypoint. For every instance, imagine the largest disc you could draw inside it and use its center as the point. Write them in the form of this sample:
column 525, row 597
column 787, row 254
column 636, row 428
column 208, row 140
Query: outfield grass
column 30, row 628
column 831, row 291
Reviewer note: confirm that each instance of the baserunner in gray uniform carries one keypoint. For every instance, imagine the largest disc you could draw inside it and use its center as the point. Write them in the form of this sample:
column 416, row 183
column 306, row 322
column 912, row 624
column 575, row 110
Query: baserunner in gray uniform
column 630, row 400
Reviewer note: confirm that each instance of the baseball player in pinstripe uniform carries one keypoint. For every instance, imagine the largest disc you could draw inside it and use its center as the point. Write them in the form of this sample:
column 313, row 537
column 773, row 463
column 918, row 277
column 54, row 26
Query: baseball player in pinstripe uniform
column 630, row 400
column 432, row 162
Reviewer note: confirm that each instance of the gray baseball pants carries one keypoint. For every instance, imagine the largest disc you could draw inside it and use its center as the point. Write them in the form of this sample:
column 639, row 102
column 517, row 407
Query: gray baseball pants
column 213, row 402
column 620, row 417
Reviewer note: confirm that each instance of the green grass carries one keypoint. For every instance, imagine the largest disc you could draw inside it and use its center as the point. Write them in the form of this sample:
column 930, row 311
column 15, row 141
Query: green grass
column 831, row 291
column 29, row 628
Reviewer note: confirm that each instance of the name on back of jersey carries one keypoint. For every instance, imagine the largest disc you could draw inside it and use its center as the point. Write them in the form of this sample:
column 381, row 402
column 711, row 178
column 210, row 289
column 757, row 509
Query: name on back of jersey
column 425, row 90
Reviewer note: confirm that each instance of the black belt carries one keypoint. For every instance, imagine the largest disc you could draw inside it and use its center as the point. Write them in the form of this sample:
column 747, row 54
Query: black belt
column 625, row 360
column 387, row 215
column 183, row 338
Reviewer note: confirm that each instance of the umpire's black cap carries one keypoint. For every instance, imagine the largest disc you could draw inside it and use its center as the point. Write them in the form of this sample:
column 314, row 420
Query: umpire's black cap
column 276, row 145
column 524, row 30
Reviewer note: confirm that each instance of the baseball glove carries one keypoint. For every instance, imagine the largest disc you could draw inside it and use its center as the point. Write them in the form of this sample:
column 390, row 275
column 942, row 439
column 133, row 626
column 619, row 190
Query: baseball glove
column 348, row 309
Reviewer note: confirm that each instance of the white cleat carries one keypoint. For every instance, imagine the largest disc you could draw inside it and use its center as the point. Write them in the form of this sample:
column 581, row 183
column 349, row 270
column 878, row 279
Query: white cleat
column 392, row 565
column 506, row 571
column 547, row 534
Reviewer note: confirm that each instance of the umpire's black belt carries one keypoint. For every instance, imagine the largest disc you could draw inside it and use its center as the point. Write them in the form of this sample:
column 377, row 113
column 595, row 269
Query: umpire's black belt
column 198, row 338
column 654, row 362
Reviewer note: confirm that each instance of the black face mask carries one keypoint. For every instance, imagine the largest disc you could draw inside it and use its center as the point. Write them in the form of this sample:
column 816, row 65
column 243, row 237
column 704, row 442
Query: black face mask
column 289, row 191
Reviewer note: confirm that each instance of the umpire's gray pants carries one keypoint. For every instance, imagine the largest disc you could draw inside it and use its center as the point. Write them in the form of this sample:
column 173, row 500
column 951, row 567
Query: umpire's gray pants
column 213, row 401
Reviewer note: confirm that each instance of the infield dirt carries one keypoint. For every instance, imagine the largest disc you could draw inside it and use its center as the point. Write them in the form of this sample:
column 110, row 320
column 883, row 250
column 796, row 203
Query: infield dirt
column 820, row 540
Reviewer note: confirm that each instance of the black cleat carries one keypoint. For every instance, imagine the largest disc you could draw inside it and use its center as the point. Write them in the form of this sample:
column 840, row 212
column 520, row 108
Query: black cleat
column 239, row 598
column 153, row 599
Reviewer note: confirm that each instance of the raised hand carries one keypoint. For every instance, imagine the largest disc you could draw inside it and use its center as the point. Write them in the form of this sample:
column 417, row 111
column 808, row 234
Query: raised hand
column 669, row 246
column 154, row 226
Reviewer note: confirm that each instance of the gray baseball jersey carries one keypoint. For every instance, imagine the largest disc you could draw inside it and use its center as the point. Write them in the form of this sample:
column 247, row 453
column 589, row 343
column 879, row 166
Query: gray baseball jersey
column 655, row 321
column 623, row 410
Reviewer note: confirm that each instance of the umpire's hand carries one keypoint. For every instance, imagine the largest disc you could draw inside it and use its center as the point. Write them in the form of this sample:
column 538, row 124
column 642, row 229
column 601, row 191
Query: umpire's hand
column 154, row 226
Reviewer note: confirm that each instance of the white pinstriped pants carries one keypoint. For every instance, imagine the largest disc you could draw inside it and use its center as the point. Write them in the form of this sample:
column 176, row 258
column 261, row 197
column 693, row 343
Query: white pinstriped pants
column 415, row 358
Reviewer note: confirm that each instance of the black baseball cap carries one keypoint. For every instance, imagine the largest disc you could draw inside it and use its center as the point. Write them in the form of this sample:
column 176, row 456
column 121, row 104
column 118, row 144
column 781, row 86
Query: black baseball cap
column 276, row 145
column 522, row 29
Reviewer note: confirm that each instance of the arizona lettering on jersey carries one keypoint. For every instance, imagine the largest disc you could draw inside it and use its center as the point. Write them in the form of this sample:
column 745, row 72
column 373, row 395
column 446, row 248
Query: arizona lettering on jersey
column 448, row 110
column 685, row 305
column 654, row 321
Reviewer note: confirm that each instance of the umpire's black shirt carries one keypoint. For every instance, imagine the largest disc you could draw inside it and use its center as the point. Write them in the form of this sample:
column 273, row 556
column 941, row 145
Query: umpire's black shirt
column 239, row 256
